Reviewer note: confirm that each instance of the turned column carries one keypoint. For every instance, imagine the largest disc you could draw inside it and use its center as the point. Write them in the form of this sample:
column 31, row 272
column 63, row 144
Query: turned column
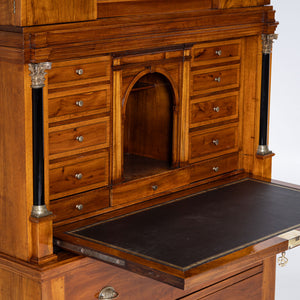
column 267, row 41
column 41, row 218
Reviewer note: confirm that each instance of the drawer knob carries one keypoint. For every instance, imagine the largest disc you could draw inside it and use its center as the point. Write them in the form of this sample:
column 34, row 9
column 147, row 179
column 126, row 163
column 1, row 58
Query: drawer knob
column 80, row 138
column 216, row 142
column 217, row 109
column 79, row 206
column 216, row 169
column 218, row 79
column 219, row 52
column 108, row 293
column 78, row 176
column 79, row 72
column 79, row 103
column 154, row 187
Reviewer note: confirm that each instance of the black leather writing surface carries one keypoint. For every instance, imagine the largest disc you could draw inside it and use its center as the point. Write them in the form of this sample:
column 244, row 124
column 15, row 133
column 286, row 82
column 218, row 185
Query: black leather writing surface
column 202, row 227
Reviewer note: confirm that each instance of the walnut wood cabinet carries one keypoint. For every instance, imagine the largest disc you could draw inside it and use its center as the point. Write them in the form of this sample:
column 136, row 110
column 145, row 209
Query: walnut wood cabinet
column 144, row 103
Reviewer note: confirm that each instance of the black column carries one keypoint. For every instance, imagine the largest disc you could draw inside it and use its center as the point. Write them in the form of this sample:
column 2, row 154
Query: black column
column 38, row 147
column 264, row 102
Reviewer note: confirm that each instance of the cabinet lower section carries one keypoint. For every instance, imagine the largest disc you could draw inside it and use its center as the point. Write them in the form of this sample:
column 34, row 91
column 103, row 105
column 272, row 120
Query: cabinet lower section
column 79, row 278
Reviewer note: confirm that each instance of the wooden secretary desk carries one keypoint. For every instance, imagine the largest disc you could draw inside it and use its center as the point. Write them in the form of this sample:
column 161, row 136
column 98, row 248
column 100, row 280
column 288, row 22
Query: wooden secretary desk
column 134, row 161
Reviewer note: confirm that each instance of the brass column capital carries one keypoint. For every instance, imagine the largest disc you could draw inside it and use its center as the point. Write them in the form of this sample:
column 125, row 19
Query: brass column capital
column 37, row 73
column 267, row 42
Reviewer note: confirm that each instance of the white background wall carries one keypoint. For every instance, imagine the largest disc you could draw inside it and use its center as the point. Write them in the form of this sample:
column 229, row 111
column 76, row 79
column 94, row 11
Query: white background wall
column 285, row 124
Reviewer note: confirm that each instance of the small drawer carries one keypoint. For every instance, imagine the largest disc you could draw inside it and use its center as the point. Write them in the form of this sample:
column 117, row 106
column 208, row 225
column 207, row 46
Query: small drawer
column 203, row 54
column 78, row 136
column 214, row 167
column 79, row 103
column 79, row 70
column 72, row 177
column 213, row 142
column 213, row 109
column 216, row 79
column 137, row 190
column 77, row 205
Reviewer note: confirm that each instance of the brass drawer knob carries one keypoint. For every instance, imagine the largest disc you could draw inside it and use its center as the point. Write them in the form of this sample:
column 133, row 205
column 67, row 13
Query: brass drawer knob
column 219, row 52
column 216, row 142
column 80, row 138
column 218, row 79
column 79, row 72
column 79, row 206
column 217, row 109
column 79, row 103
column 78, row 176
column 108, row 293
column 154, row 187
column 216, row 169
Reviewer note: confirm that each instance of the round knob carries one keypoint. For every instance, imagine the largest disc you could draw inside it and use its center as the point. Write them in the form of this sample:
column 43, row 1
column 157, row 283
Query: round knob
column 216, row 142
column 78, row 176
column 216, row 169
column 79, row 72
column 154, row 187
column 79, row 206
column 219, row 52
column 217, row 109
column 79, row 103
column 218, row 79
column 80, row 138
column 108, row 293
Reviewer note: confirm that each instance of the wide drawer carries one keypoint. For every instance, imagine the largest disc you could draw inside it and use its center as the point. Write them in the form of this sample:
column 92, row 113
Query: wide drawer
column 79, row 70
column 215, row 79
column 72, row 176
column 78, row 136
column 214, row 167
column 214, row 142
column 79, row 103
column 77, row 205
column 137, row 190
column 212, row 109
column 203, row 54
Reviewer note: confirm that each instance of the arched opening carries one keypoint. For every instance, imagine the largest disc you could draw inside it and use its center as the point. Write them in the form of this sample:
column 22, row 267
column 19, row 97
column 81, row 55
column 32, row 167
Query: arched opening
column 148, row 127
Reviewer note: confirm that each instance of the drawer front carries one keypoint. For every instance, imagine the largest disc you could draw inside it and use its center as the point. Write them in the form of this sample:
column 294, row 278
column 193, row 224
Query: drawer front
column 215, row 80
column 79, row 70
column 214, row 53
column 76, row 177
column 216, row 108
column 137, row 190
column 214, row 167
column 212, row 143
column 77, row 205
column 79, row 103
column 79, row 137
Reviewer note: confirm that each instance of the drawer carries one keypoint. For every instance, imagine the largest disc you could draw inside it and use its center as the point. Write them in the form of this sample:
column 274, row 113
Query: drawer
column 214, row 167
column 80, row 204
column 215, row 79
column 137, row 190
column 74, row 177
column 212, row 143
column 213, row 109
column 78, row 70
column 79, row 103
column 218, row 52
column 78, row 136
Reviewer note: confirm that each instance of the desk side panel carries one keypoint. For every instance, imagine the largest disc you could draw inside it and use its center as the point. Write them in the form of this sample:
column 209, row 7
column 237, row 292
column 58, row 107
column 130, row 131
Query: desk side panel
column 15, row 158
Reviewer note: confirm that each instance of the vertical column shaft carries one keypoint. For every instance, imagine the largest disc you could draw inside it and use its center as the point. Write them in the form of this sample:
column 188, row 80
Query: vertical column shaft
column 39, row 208
column 267, row 40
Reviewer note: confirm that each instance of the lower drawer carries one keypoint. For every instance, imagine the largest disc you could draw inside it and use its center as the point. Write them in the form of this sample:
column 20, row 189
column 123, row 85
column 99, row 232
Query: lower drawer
column 75, row 176
column 213, row 167
column 80, row 204
column 137, row 190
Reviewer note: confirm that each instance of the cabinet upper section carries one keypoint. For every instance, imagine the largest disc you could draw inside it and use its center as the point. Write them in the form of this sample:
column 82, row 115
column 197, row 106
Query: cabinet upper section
column 41, row 12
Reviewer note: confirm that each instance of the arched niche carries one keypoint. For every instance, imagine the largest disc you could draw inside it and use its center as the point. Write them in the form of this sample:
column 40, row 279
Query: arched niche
column 148, row 127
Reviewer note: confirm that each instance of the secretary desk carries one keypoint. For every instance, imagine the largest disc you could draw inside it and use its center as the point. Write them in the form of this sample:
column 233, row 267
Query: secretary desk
column 134, row 159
